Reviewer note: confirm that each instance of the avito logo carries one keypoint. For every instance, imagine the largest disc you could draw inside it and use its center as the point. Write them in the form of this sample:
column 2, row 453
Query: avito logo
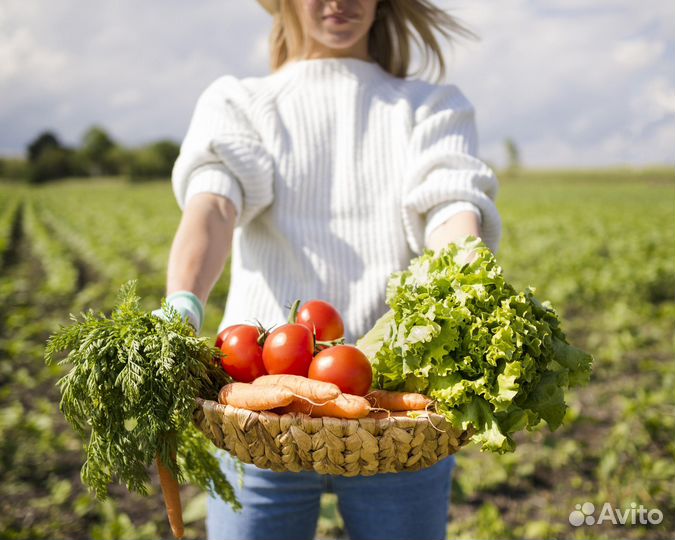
column 584, row 514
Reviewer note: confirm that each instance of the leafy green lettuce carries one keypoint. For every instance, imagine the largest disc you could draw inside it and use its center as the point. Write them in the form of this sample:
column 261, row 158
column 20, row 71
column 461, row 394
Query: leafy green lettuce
column 492, row 357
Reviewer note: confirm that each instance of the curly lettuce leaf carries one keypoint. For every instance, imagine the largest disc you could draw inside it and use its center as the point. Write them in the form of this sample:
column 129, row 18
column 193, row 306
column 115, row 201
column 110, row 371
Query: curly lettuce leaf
column 492, row 357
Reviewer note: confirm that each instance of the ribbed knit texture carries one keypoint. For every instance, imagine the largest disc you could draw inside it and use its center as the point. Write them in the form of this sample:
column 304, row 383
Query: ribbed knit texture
column 338, row 172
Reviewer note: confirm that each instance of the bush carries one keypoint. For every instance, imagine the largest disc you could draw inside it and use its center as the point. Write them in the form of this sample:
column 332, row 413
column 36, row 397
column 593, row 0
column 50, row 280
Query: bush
column 44, row 141
column 153, row 161
column 13, row 168
column 48, row 159
column 50, row 164
column 95, row 153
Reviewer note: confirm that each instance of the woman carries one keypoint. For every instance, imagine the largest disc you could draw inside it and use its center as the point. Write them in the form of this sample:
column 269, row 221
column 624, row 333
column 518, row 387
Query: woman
column 320, row 180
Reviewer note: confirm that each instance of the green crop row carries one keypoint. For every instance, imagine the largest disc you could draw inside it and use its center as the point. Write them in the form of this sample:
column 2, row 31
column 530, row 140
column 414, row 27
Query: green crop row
column 600, row 247
column 61, row 273
column 8, row 213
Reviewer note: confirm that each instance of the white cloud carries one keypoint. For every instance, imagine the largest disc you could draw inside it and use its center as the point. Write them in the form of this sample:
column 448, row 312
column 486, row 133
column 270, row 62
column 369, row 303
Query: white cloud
column 126, row 98
column 659, row 98
column 21, row 53
column 571, row 82
column 637, row 53
column 136, row 68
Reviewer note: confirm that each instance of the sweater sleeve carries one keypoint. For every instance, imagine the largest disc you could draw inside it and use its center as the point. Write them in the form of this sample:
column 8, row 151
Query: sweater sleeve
column 223, row 154
column 445, row 176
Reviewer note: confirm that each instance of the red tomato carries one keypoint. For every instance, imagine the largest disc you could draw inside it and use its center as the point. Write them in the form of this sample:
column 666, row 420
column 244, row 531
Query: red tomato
column 223, row 334
column 323, row 317
column 288, row 349
column 242, row 356
column 343, row 365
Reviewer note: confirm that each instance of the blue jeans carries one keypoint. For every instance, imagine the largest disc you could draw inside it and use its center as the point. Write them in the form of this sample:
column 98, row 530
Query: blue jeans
column 285, row 506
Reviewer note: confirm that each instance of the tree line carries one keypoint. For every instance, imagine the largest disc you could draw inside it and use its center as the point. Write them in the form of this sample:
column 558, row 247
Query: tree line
column 99, row 155
column 47, row 159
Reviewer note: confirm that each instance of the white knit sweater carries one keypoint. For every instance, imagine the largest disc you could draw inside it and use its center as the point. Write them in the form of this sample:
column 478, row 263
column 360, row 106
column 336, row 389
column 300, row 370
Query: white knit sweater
column 338, row 171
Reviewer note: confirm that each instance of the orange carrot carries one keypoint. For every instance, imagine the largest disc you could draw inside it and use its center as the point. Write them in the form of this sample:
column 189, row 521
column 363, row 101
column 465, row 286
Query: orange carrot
column 343, row 406
column 254, row 398
column 398, row 401
column 171, row 492
column 316, row 391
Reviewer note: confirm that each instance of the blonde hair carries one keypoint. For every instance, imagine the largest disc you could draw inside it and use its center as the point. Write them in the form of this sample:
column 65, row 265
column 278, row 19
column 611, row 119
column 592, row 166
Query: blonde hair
column 398, row 25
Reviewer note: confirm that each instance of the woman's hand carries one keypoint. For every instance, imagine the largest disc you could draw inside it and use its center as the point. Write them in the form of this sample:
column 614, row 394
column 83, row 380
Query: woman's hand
column 454, row 229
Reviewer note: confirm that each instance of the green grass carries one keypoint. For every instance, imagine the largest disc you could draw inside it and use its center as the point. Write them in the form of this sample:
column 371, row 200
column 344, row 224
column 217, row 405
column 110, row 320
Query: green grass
column 600, row 244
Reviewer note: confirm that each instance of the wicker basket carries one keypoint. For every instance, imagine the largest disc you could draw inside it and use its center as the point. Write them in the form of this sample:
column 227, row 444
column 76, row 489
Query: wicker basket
column 296, row 442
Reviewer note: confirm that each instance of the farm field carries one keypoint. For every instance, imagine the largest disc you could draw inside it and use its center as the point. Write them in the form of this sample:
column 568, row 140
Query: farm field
column 600, row 245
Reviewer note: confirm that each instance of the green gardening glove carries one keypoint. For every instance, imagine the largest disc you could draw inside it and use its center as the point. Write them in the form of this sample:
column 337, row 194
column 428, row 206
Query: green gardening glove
column 188, row 305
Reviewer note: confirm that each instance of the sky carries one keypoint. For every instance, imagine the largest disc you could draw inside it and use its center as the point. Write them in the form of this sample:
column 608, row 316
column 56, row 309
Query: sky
column 574, row 83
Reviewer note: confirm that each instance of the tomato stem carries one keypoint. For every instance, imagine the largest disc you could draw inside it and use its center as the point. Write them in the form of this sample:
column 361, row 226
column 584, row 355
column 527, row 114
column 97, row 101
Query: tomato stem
column 293, row 314
column 321, row 345
column 264, row 332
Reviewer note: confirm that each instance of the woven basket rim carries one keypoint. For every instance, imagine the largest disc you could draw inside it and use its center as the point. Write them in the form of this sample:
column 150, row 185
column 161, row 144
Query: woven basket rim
column 339, row 446
column 433, row 418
